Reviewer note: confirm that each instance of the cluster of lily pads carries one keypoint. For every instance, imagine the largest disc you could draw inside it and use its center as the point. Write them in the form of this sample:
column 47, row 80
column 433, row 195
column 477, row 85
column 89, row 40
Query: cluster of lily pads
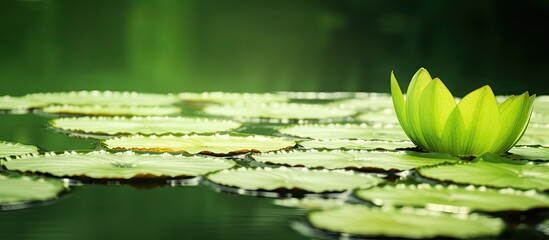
column 342, row 157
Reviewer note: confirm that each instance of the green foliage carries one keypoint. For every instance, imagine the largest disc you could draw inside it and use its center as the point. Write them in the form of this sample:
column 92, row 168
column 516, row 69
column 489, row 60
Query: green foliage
column 403, row 223
column 126, row 165
column 454, row 198
column 365, row 160
column 15, row 190
column 272, row 179
column 142, row 125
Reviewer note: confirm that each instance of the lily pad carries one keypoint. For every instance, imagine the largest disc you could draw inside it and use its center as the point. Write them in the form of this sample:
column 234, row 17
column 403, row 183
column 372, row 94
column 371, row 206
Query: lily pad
column 318, row 95
column 125, row 165
column 215, row 144
column 227, row 97
column 542, row 118
column 356, row 144
column 142, row 125
column 10, row 103
column 387, row 116
column 16, row 149
column 310, row 203
column 364, row 160
column 495, row 171
column 369, row 103
column 279, row 111
column 404, row 223
column 454, row 198
column 103, row 98
column 112, row 110
column 346, row 131
column 280, row 179
column 541, row 104
column 18, row 190
column 529, row 153
column 536, row 134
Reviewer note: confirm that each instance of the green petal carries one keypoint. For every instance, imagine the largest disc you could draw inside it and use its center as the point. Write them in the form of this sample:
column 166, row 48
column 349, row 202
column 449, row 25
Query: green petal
column 454, row 132
column 414, row 105
column 437, row 104
column 514, row 115
column 480, row 115
column 400, row 107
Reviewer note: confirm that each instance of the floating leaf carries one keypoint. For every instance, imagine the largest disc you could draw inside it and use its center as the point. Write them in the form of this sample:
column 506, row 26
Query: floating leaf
column 529, row 153
column 281, row 111
column 18, row 190
column 310, row 203
column 216, row 144
column 126, row 165
column 275, row 179
column 542, row 118
column 9, row 103
column 536, row 134
column 339, row 159
column 453, row 198
column 346, row 131
column 142, row 125
column 103, row 98
column 492, row 170
column 541, row 104
column 370, row 103
column 404, row 223
column 387, row 116
column 226, row 97
column 16, row 149
column 356, row 144
column 112, row 110
column 321, row 95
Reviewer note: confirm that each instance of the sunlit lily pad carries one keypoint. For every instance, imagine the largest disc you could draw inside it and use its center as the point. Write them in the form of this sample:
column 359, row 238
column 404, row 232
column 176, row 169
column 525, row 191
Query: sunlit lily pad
column 16, row 149
column 387, row 116
column 492, row 170
column 112, row 110
column 346, row 131
column 310, row 203
column 357, row 144
column 124, row 165
column 215, row 144
column 9, row 103
column 404, row 223
column 274, row 179
column 370, row 103
column 529, row 153
column 228, row 97
column 280, row 111
column 536, row 134
column 366, row 160
column 18, row 190
column 542, row 118
column 142, row 125
column 541, row 104
column 454, row 198
column 318, row 95
column 103, row 98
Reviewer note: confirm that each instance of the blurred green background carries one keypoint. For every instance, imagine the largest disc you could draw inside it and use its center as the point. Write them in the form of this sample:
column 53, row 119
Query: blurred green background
column 257, row 46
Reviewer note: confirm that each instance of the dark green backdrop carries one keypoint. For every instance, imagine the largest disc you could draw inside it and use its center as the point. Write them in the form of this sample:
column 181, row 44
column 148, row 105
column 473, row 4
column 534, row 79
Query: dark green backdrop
column 252, row 45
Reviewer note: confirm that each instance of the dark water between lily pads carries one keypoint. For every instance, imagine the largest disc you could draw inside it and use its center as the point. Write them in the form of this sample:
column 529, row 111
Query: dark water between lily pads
column 137, row 211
